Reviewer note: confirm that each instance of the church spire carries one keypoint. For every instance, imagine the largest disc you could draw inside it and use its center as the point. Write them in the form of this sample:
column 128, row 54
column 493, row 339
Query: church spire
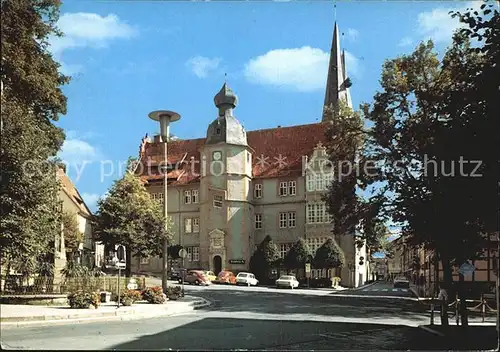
column 336, row 86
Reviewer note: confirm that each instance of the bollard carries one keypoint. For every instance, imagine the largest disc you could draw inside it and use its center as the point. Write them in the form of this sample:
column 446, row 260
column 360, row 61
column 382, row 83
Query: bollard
column 457, row 310
column 432, row 312
column 483, row 307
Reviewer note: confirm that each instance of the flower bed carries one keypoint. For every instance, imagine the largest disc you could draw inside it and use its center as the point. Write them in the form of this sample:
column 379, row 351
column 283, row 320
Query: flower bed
column 153, row 295
column 84, row 299
column 128, row 297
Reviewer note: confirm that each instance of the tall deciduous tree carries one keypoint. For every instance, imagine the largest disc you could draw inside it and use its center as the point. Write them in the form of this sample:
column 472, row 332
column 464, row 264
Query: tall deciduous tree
column 434, row 125
column 297, row 256
column 329, row 256
column 129, row 216
column 264, row 258
column 72, row 234
column 31, row 100
column 352, row 214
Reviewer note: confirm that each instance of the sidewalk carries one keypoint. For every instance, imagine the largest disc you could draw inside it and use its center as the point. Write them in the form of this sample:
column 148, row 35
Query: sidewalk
column 13, row 315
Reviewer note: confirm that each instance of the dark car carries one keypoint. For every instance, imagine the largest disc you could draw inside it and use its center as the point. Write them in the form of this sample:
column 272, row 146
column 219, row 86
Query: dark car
column 176, row 274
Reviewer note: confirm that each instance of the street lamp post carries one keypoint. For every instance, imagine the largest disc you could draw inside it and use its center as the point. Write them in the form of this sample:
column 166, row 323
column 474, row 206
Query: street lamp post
column 165, row 117
column 119, row 264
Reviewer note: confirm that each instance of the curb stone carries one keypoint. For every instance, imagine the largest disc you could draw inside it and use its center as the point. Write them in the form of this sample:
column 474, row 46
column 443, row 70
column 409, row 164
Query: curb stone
column 105, row 316
column 364, row 286
column 340, row 295
column 432, row 331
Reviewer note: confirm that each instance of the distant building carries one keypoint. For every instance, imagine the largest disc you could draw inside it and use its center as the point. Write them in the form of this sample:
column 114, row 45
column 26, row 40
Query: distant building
column 232, row 188
column 424, row 270
column 90, row 253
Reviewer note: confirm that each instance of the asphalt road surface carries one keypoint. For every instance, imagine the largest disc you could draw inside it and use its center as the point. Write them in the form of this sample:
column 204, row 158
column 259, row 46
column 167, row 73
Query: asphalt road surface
column 383, row 288
column 250, row 318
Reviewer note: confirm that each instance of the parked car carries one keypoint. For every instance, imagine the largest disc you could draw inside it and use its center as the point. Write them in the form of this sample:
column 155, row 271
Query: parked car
column 226, row 277
column 246, row 279
column 287, row 281
column 196, row 277
column 210, row 275
column 176, row 274
column 401, row 282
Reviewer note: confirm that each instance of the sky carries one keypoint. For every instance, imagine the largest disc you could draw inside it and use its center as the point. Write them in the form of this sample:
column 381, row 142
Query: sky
column 128, row 58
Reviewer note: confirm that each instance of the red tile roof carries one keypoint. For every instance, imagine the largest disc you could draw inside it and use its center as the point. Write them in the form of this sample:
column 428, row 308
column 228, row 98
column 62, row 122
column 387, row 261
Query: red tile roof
column 291, row 143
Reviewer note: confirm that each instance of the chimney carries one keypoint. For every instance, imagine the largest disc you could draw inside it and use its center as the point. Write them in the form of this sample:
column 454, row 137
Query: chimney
column 157, row 139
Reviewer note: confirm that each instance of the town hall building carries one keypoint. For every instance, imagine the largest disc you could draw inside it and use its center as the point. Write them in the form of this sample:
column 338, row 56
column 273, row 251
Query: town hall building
column 230, row 189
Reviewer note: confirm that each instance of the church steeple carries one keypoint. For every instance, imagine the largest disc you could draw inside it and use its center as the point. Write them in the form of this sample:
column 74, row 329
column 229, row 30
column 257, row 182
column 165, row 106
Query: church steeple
column 336, row 85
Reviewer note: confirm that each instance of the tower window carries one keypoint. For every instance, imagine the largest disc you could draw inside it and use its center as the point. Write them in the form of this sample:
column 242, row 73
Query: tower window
column 217, row 131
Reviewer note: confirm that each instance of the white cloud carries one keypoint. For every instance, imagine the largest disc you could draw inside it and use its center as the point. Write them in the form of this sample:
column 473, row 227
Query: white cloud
column 202, row 66
column 304, row 69
column 77, row 151
column 405, row 41
column 91, row 200
column 353, row 65
column 352, row 34
column 87, row 30
column 438, row 25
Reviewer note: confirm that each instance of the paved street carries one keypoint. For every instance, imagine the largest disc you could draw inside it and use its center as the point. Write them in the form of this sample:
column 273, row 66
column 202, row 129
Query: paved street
column 250, row 318
column 383, row 288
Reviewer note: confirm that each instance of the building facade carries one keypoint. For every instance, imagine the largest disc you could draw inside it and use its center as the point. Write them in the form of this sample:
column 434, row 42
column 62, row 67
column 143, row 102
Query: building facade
column 232, row 188
column 426, row 272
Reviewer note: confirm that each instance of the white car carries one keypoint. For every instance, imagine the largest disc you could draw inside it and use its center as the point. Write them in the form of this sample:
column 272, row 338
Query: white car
column 401, row 282
column 287, row 281
column 246, row 279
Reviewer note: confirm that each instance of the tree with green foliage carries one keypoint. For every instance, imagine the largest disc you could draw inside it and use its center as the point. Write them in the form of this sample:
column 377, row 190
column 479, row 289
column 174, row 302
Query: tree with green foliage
column 31, row 99
column 128, row 216
column 264, row 258
column 352, row 214
column 329, row 256
column 297, row 256
column 72, row 234
column 434, row 125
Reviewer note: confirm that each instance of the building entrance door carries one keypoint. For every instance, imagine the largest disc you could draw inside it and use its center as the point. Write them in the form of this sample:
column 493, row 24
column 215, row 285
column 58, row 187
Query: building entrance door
column 217, row 264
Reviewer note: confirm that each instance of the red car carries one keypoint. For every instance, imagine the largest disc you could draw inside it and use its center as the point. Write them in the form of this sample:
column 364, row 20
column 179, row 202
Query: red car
column 196, row 277
column 226, row 277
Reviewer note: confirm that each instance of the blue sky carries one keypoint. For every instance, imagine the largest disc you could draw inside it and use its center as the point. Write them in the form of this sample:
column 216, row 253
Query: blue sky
column 128, row 58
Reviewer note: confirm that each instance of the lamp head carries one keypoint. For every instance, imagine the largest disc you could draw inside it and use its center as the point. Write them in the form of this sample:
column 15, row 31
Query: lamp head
column 165, row 117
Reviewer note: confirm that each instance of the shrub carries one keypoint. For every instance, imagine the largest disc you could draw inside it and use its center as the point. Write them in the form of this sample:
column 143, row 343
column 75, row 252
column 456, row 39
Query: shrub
column 83, row 299
column 128, row 297
column 153, row 295
column 174, row 292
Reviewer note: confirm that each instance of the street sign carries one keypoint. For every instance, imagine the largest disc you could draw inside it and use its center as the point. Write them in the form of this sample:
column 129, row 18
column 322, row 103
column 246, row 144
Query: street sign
column 132, row 284
column 308, row 268
column 466, row 269
column 120, row 265
column 183, row 253
column 236, row 261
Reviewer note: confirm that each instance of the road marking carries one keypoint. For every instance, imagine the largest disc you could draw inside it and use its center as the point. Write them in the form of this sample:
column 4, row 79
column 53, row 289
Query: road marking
column 405, row 290
column 385, row 289
column 395, row 289
column 375, row 289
